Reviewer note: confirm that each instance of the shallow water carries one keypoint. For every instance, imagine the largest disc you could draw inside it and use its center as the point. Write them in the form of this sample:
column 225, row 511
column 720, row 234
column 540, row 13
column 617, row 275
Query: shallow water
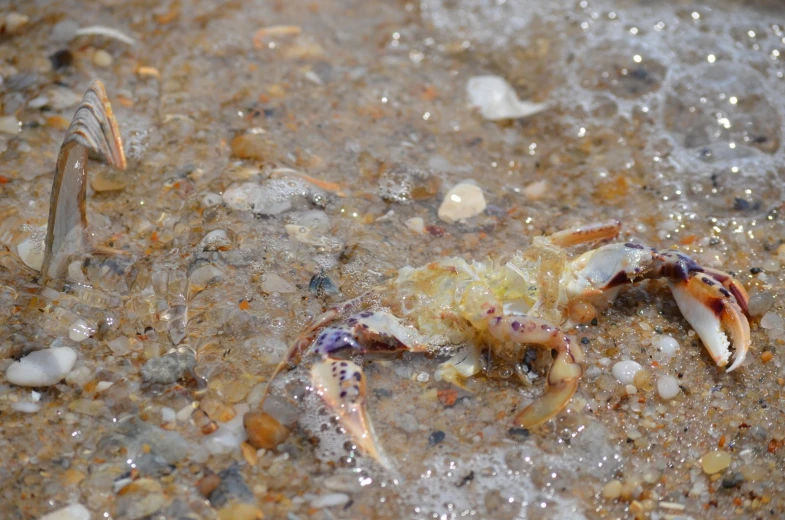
column 664, row 115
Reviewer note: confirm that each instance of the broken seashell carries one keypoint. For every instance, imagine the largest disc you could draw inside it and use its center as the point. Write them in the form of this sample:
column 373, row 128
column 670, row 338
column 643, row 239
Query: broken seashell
column 92, row 128
column 497, row 100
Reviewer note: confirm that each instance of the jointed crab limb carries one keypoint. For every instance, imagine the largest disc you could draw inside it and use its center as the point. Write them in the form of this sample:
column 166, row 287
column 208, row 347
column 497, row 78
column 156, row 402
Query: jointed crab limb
column 341, row 384
column 711, row 310
column 710, row 300
column 564, row 374
column 93, row 128
column 584, row 234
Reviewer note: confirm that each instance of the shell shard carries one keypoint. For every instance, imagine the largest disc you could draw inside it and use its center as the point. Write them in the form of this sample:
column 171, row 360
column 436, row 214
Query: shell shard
column 93, row 129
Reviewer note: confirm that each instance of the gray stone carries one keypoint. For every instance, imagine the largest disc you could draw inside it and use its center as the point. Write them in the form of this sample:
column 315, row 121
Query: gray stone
column 231, row 488
column 169, row 368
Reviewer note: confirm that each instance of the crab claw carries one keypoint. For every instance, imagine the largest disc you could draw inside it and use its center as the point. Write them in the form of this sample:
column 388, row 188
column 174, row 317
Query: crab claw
column 564, row 374
column 341, row 384
column 715, row 314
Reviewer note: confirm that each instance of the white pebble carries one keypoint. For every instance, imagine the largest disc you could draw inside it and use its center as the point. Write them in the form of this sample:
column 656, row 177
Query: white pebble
column 101, row 58
column 331, row 500
column 216, row 239
column 120, row 346
column 103, row 385
column 10, row 125
column 536, row 190
column 668, row 387
column 45, row 367
column 80, row 331
column 464, row 200
column 624, row 371
column 416, row 224
column 72, row 512
column 168, row 415
column 772, row 320
column 201, row 276
column 497, row 100
column 26, row 407
column 210, row 199
column 184, row 413
column 667, row 345
column 79, row 376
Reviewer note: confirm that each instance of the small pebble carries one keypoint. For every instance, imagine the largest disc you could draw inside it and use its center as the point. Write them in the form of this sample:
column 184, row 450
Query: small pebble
column 169, row 368
column 772, row 320
column 436, row 437
column 239, row 511
column 26, row 407
column 331, row 500
column 101, row 58
column 45, row 367
column 667, row 345
column 80, row 331
column 263, row 430
column 715, row 461
column 612, row 490
column 734, row 480
column 120, row 346
column 760, row 303
column 416, row 224
column 15, row 21
column 9, row 125
column 464, row 200
column 536, row 190
column 215, row 240
column 201, row 276
column 72, row 512
column 624, row 371
column 668, row 387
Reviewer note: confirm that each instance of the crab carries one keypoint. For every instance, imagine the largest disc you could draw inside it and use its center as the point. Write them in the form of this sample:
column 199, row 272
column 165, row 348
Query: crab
column 505, row 306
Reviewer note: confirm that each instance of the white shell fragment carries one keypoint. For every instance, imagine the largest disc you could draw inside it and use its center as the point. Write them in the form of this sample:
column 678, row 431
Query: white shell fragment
column 45, row 367
column 464, row 200
column 497, row 100
column 72, row 512
column 624, row 371
column 31, row 249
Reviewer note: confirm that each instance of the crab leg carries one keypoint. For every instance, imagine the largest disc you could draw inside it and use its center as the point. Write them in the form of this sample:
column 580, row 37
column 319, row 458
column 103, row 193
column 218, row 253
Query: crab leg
column 341, row 383
column 564, row 373
column 584, row 234
column 711, row 309
column 710, row 300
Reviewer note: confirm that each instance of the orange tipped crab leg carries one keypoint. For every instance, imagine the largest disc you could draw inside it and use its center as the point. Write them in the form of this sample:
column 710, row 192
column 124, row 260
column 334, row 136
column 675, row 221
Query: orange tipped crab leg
column 564, row 374
column 712, row 310
column 588, row 233
column 341, row 382
column 710, row 300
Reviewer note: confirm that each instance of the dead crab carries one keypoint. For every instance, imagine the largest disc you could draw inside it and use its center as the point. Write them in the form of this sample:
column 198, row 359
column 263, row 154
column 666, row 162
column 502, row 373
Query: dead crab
column 505, row 306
